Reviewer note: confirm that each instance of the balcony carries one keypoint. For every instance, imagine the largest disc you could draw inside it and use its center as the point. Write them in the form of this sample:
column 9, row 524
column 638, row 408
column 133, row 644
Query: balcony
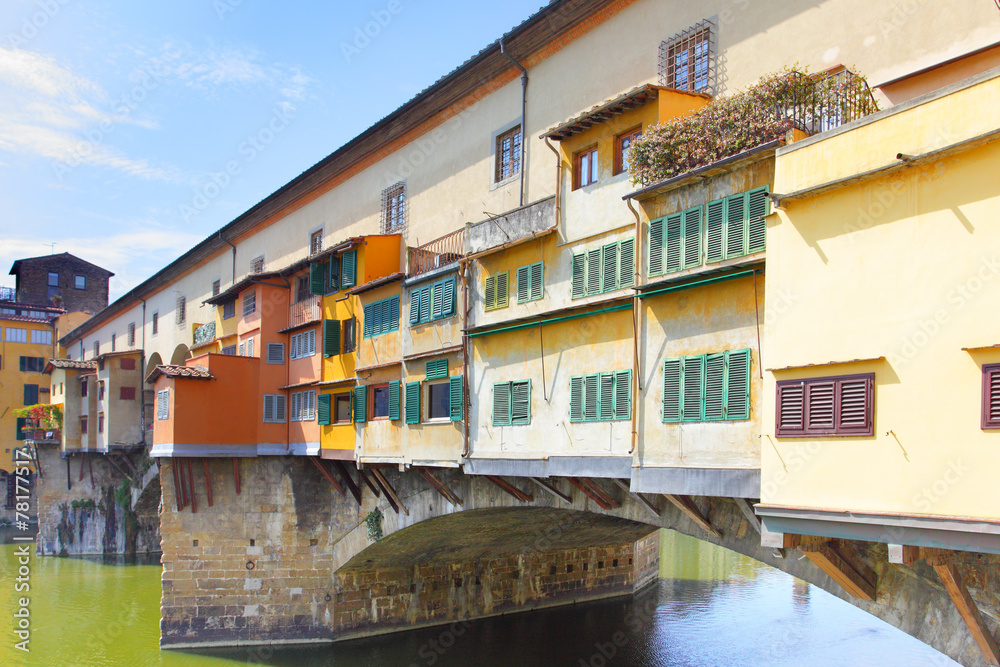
column 204, row 334
column 308, row 310
column 439, row 252
column 7, row 294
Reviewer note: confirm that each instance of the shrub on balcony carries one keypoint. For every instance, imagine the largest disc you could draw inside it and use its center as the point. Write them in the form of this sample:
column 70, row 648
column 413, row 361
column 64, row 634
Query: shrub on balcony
column 45, row 417
column 762, row 113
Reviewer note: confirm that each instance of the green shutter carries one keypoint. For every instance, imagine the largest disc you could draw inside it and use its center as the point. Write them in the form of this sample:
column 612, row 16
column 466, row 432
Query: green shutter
column 331, row 338
column 623, row 394
column 349, row 268
column 626, row 263
column 438, row 368
column 360, row 404
column 656, row 247
column 334, row 274
column 413, row 403
column 607, row 396
column 425, row 304
column 523, row 284
column 501, row 404
column 456, row 396
column 758, row 208
column 490, row 297
column 394, row 401
column 693, row 389
column 415, row 306
column 503, row 289
column 391, row 314
column 576, row 398
column 736, row 225
column 673, row 246
column 591, row 398
column 437, row 300
column 738, row 385
column 578, row 276
column 715, row 221
column 448, row 298
column 30, row 394
column 594, row 271
column 715, row 386
column 21, row 423
column 537, row 280
column 317, row 278
column 520, row 402
column 609, row 273
column 323, row 410
column 369, row 320
column 672, row 390
column 692, row 237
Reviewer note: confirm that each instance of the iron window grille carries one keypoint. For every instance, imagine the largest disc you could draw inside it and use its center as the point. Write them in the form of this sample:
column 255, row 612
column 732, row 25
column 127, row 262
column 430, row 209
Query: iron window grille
column 394, row 208
column 508, row 155
column 316, row 242
column 688, row 60
column 257, row 264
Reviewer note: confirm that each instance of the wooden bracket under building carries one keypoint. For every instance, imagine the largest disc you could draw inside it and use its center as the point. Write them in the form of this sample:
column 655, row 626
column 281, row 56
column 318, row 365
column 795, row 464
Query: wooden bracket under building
column 594, row 492
column 550, row 487
column 523, row 496
column 372, row 487
column 390, row 493
column 967, row 608
column 841, row 561
column 440, row 486
column 691, row 511
column 346, row 474
column 329, row 477
column 649, row 505
column 747, row 509
column 236, row 475
column 208, row 481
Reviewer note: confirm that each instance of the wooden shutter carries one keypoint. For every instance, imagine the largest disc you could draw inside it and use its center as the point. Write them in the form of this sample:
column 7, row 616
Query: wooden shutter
column 991, row 397
column 296, row 407
column 413, row 403
column 672, row 390
column 331, row 337
column 790, row 408
column 715, row 221
column 520, row 402
column 501, row 404
column 279, row 407
column 830, row 406
column 369, row 320
column 268, row 408
column 393, row 318
column 323, row 410
column 503, row 289
column 394, row 401
column 360, row 404
column 855, row 414
column 425, row 304
column 334, row 274
column 523, row 284
column 758, row 208
column 656, row 247
column 438, row 368
column 317, row 278
column 738, row 385
column 490, row 296
column 594, row 271
column 448, row 298
column 609, row 273
column 715, row 386
column 692, row 237
column 693, row 389
column 437, row 300
column 626, row 263
column 673, row 243
column 820, row 406
column 576, row 398
column 736, row 219
column 579, row 288
column 607, row 410
column 591, row 398
column 623, row 394
column 456, row 397
column 415, row 306
column 536, row 280
column 349, row 268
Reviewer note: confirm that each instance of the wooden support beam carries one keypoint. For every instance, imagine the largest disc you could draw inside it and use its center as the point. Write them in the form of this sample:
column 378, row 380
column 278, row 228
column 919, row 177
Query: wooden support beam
column 903, row 554
column 608, row 499
column 747, row 510
column 329, row 477
column 178, row 491
column 841, row 562
column 90, row 466
column 368, row 483
column 440, row 486
column 647, row 504
column 345, row 473
column 114, row 464
column 190, row 486
column 390, row 492
column 587, row 491
column 236, row 475
column 523, row 496
column 549, row 487
column 82, row 457
column 966, row 606
column 208, row 481
column 131, row 466
column 691, row 511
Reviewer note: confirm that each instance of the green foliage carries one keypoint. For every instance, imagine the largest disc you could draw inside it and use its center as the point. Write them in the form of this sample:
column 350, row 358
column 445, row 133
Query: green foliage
column 765, row 111
column 374, row 523
column 123, row 495
column 85, row 504
column 46, row 417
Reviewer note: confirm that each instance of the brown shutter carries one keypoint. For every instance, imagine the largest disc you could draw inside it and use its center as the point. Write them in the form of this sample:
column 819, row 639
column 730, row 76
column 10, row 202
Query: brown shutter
column 820, row 408
column 991, row 396
column 790, row 413
column 830, row 406
column 855, row 415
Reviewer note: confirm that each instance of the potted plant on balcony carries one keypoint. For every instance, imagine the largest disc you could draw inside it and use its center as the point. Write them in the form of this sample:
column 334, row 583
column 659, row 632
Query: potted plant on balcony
column 40, row 419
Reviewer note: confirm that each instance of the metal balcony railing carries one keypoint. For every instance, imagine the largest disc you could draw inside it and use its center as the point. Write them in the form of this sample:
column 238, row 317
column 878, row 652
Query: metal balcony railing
column 439, row 252
column 204, row 333
column 305, row 311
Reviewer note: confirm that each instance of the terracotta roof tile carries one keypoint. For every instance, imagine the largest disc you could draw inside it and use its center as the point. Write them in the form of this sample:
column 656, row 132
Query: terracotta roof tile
column 171, row 370
column 71, row 363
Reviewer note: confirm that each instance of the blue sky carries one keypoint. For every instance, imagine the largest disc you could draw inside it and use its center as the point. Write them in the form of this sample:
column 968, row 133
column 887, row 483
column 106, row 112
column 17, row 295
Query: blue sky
column 118, row 118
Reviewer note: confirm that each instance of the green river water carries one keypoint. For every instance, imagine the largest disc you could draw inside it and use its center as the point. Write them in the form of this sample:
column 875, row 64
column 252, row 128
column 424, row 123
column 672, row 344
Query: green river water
column 711, row 608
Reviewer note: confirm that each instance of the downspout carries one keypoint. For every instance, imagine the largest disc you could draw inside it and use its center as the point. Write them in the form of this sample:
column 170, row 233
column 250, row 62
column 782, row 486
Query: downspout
column 636, row 303
column 465, row 356
column 558, row 181
column 221, row 238
column 142, row 377
column 524, row 109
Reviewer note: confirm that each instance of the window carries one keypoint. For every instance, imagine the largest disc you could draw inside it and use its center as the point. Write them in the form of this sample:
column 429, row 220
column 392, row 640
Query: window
column 622, row 143
column 687, row 60
column 97, row 348
column 275, row 353
column 80, row 282
column 229, row 309
column 497, row 291
column 508, row 154
column 31, row 394
column 127, row 364
column 216, row 286
column 735, row 226
column 830, row 406
column 257, row 264
column 163, row 404
column 126, row 393
column 381, row 317
column 512, row 403
column 21, row 422
column 316, row 242
column 331, row 338
column 394, row 208
column 436, row 369
column 302, row 344
column 13, row 335
column 438, row 401
column 100, row 391
column 349, row 269
column 302, row 291
column 707, row 387
column 604, row 269
column 181, row 312
column 303, row 406
column 384, row 401
column 53, row 279
column 529, row 282
column 83, row 426
column 350, row 335
column 41, row 337
column 432, row 302
column 274, row 408
column 155, row 323
column 585, row 168
column 114, row 340
column 991, row 396
column 249, row 303
column 250, row 346
column 131, row 334
column 100, row 423
column 342, row 408
column 83, row 388
column 600, row 397
column 333, row 276
column 229, row 350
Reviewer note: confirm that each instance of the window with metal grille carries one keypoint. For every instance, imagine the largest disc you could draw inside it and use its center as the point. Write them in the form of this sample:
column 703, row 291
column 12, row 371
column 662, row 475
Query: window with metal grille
column 274, row 408
column 131, row 334
column 163, row 404
column 991, row 396
column 257, row 264
column 181, row 312
column 600, row 397
column 830, row 406
column 530, row 286
column 604, row 269
column 275, row 353
column 394, row 208
column 688, row 59
column 707, row 387
column 97, row 348
column 432, row 302
column 622, row 143
column 381, row 317
column 216, row 287
column 585, row 168
column 512, row 403
column 508, row 155
column 114, row 341
column 316, row 242
column 249, row 303
column 497, row 291
column 155, row 324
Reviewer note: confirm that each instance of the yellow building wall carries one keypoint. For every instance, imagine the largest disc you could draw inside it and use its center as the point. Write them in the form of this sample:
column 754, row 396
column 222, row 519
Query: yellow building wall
column 432, row 442
column 381, row 441
column 915, row 284
column 12, row 380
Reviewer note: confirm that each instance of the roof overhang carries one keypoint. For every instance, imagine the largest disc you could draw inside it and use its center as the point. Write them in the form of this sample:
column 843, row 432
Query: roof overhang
column 605, row 111
column 378, row 282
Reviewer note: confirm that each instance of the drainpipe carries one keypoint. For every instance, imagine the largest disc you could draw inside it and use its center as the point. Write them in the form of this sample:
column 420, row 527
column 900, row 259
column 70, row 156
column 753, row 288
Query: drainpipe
column 221, row 238
column 465, row 355
column 142, row 377
column 636, row 312
column 558, row 181
column 524, row 108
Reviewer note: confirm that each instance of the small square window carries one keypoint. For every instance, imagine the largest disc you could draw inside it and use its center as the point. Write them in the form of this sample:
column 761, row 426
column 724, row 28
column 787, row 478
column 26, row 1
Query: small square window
column 257, row 264
column 342, row 409
column 585, row 169
column 80, row 282
column 379, row 402
column 508, row 155
column 622, row 143
column 216, row 287
column 316, row 242
column 53, row 279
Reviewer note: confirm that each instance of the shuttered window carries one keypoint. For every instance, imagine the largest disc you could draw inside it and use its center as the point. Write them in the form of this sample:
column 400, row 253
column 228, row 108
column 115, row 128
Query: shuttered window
column 274, row 408
column 831, row 406
column 497, row 291
column 675, row 242
column 331, row 338
column 605, row 269
column 30, row 394
column 437, row 368
column 318, row 272
column 303, row 406
column 302, row 344
column 735, row 226
column 249, row 303
column 360, row 404
column 512, row 403
column 333, row 275
column 991, row 396
column 323, row 410
column 707, row 387
column 456, row 397
column 600, row 397
column 163, row 404
column 381, row 317
column 349, row 268
column 275, row 353
column 432, row 302
column 413, row 403
column 530, row 286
